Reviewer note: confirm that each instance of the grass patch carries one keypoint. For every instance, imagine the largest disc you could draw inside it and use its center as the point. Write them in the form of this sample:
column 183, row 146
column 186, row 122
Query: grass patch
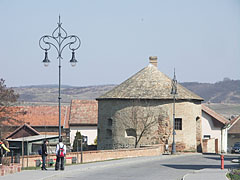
column 31, row 168
column 234, row 174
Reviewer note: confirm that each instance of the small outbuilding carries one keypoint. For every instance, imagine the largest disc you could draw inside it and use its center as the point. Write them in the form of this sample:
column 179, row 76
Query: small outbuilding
column 214, row 131
column 31, row 144
column 233, row 132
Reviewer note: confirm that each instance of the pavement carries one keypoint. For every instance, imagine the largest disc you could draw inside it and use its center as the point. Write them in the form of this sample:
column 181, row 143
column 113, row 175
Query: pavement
column 209, row 174
column 203, row 174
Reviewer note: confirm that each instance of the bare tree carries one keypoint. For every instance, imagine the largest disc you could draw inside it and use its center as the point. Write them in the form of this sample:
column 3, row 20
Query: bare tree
column 139, row 119
column 7, row 113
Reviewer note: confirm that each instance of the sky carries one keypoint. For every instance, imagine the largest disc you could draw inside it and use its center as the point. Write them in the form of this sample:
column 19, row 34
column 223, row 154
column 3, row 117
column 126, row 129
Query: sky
column 199, row 38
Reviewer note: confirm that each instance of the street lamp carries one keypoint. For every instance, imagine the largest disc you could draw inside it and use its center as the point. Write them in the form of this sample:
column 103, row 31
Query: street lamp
column 174, row 92
column 59, row 40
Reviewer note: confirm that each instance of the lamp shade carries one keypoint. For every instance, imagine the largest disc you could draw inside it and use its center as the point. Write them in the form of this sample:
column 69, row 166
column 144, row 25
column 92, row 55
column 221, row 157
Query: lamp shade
column 73, row 61
column 46, row 61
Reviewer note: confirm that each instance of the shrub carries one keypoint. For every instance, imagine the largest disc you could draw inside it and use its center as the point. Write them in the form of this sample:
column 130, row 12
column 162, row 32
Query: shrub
column 234, row 174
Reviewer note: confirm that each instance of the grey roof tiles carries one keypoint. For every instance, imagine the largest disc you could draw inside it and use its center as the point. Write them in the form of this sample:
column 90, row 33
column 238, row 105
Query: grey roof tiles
column 148, row 83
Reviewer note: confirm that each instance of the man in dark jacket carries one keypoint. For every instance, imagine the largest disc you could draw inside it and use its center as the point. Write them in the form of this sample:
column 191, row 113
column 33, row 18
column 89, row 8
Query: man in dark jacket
column 44, row 154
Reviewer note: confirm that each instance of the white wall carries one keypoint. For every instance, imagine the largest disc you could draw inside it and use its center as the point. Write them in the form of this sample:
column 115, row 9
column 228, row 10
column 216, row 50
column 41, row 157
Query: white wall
column 224, row 140
column 89, row 131
column 208, row 128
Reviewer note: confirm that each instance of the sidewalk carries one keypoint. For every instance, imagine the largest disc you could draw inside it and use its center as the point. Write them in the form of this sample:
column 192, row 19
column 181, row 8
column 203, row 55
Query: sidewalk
column 51, row 173
column 209, row 174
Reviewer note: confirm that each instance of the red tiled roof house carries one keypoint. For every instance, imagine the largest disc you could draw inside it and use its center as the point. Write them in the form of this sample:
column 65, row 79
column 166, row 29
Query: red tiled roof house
column 83, row 118
column 44, row 119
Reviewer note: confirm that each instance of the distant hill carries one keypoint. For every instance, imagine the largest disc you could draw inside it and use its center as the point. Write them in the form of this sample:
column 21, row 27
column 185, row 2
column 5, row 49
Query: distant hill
column 227, row 91
column 229, row 111
column 48, row 94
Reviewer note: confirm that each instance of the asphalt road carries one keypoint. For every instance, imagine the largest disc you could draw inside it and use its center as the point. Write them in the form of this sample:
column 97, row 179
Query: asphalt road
column 145, row 168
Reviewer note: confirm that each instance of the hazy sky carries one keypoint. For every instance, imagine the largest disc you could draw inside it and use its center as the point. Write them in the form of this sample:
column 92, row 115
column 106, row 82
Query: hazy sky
column 200, row 38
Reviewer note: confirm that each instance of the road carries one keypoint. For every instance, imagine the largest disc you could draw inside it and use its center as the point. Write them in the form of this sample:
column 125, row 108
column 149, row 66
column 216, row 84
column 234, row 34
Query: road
column 144, row 168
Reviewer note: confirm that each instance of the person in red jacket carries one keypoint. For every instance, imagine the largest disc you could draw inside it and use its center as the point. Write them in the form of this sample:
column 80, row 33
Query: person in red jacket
column 60, row 153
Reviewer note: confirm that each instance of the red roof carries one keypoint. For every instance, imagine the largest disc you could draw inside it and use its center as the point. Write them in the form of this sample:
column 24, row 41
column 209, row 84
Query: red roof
column 39, row 116
column 234, row 126
column 84, row 112
column 215, row 115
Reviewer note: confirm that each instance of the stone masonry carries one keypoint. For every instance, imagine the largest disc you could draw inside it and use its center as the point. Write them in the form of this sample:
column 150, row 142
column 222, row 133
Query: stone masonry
column 121, row 123
column 113, row 135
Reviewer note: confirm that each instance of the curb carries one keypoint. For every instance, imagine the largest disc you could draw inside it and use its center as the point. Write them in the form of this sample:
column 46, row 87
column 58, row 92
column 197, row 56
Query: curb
column 193, row 172
column 185, row 176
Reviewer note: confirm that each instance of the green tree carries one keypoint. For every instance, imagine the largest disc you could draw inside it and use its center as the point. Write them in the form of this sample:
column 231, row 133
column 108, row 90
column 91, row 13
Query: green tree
column 95, row 141
column 76, row 142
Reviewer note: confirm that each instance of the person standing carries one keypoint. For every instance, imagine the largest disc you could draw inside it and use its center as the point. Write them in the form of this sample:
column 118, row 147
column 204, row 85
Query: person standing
column 44, row 154
column 2, row 147
column 60, row 153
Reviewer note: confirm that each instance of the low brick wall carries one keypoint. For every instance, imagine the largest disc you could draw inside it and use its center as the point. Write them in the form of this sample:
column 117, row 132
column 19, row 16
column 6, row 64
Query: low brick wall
column 13, row 168
column 99, row 155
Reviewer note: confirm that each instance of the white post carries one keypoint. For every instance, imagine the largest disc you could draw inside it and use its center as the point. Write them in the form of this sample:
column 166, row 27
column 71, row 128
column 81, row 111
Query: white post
column 224, row 137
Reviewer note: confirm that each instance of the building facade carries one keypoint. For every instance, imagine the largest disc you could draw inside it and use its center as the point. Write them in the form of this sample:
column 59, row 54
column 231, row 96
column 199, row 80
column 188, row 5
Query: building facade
column 81, row 116
column 141, row 110
column 44, row 119
column 83, row 119
column 233, row 132
column 214, row 126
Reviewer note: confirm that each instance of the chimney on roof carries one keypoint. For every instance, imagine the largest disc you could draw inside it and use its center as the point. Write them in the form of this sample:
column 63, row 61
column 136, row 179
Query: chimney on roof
column 153, row 60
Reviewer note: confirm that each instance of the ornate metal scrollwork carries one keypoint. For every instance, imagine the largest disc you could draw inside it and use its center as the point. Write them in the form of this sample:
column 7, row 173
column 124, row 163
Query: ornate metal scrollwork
column 59, row 40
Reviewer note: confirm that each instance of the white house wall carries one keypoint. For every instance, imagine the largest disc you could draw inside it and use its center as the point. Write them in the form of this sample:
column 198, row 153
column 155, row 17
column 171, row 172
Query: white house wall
column 89, row 131
column 224, row 140
column 208, row 128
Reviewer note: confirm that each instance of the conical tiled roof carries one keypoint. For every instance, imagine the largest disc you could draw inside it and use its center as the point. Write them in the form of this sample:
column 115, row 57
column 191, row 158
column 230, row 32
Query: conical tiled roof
column 149, row 83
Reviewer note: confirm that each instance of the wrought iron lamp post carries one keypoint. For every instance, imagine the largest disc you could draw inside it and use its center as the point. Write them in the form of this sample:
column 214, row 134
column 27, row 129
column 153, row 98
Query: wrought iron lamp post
column 174, row 92
column 59, row 40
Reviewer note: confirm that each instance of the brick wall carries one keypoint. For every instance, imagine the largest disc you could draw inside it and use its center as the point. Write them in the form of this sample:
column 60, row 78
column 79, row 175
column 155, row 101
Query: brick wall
column 100, row 155
column 13, row 168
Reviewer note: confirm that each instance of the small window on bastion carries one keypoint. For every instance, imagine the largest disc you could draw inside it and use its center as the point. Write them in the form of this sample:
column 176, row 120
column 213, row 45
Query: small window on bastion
column 109, row 133
column 110, row 121
column 130, row 132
